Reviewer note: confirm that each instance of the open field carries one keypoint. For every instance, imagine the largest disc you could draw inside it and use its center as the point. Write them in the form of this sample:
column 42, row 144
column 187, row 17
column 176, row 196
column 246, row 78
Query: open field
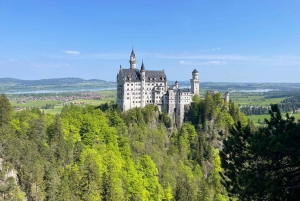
column 20, row 101
column 58, row 107
column 34, row 103
column 93, row 102
column 254, row 100
column 56, row 110
column 255, row 118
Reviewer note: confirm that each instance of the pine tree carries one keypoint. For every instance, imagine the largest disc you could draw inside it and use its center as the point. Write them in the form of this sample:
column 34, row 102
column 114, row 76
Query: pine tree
column 5, row 110
column 263, row 165
column 57, row 142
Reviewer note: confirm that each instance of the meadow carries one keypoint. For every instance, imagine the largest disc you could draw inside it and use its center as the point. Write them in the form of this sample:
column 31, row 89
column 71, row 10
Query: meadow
column 256, row 118
column 34, row 103
column 58, row 107
column 254, row 99
column 108, row 96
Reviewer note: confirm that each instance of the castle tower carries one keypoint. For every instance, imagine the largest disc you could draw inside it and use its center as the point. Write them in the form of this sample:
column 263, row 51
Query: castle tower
column 176, row 84
column 143, row 84
column 132, row 60
column 195, row 87
column 226, row 97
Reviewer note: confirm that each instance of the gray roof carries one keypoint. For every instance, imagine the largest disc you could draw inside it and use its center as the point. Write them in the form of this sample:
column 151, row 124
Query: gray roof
column 185, row 90
column 195, row 71
column 182, row 90
column 135, row 75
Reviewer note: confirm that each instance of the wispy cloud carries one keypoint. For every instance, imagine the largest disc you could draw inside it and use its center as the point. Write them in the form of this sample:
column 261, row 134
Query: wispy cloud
column 204, row 56
column 106, row 56
column 72, row 52
column 217, row 48
column 199, row 58
column 208, row 63
column 50, row 65
column 9, row 62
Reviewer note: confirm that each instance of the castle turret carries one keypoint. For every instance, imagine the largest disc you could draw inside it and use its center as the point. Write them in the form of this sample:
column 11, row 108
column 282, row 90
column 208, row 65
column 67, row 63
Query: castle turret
column 132, row 60
column 143, row 84
column 226, row 97
column 176, row 84
column 195, row 87
column 143, row 67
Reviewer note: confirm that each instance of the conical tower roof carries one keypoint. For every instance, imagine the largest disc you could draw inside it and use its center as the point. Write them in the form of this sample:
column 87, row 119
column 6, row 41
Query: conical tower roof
column 132, row 52
column 142, row 67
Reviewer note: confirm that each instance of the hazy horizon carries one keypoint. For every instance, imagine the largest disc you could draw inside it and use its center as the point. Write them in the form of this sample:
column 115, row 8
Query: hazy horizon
column 169, row 81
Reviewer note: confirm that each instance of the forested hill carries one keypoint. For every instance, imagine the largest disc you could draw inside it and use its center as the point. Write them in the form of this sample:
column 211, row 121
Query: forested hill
column 99, row 153
column 11, row 84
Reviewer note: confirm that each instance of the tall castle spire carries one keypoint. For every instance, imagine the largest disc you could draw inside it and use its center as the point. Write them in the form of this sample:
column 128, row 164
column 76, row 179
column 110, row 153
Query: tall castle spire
column 142, row 66
column 132, row 60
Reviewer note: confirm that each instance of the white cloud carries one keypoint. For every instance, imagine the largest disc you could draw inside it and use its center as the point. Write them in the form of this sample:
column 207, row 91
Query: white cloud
column 208, row 63
column 214, row 63
column 72, row 52
column 13, row 60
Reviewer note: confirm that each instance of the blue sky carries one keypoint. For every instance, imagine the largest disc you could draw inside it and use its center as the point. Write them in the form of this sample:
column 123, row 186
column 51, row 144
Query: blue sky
column 226, row 41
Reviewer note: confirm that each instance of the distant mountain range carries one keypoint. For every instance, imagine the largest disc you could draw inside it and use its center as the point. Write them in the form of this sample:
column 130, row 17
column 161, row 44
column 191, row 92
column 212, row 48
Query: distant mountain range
column 54, row 81
column 12, row 85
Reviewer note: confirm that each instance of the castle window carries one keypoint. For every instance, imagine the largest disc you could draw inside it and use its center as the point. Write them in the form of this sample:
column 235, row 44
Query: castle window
column 133, row 101
column 127, row 84
column 131, row 84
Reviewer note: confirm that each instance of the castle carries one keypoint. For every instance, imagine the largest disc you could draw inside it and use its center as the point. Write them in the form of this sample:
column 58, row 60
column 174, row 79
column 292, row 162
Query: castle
column 140, row 87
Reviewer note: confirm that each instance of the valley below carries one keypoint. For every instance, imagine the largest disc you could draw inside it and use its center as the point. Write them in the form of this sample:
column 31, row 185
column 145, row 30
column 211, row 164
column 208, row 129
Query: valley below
column 50, row 95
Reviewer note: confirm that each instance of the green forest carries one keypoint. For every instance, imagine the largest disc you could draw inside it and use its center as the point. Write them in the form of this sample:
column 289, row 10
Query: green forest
column 99, row 153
